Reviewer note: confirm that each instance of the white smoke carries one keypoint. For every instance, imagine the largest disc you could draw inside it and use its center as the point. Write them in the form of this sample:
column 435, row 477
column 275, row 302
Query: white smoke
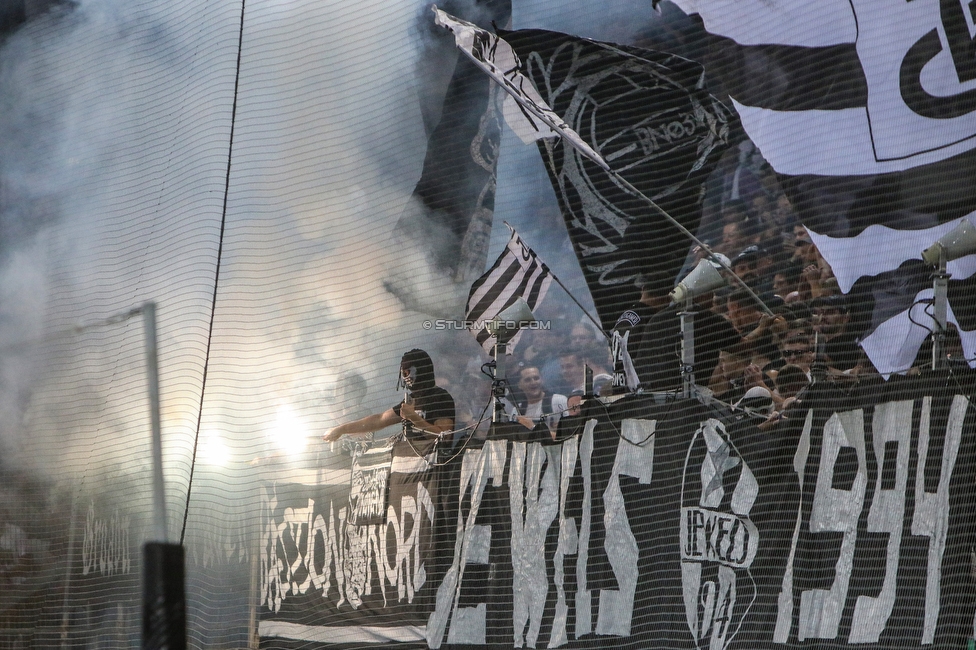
column 115, row 124
column 115, row 133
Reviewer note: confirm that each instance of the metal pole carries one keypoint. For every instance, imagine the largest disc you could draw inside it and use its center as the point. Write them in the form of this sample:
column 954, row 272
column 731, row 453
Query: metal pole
column 940, row 284
column 66, row 603
column 592, row 155
column 152, row 371
column 498, row 385
column 687, row 350
column 593, row 320
column 163, row 564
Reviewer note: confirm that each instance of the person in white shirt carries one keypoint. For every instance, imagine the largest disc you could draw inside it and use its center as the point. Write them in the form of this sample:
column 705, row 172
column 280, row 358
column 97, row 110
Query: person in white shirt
column 537, row 407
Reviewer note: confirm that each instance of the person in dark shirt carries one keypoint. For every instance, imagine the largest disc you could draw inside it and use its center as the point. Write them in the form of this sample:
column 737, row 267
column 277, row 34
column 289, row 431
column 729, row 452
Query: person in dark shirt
column 426, row 411
column 838, row 346
column 658, row 360
column 628, row 330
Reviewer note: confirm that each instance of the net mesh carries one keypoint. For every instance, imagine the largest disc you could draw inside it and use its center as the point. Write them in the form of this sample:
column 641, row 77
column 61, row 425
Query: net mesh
column 308, row 190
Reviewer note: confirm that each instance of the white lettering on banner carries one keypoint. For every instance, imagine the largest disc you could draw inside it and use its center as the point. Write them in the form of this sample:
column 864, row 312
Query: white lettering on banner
column 838, row 510
column 708, row 536
column 584, row 611
column 635, row 457
column 291, row 566
column 408, row 575
column 932, row 510
column 296, row 529
column 534, row 502
column 468, row 624
column 835, row 510
column 105, row 549
column 784, row 614
column 892, row 423
column 568, row 543
column 307, row 553
column 289, row 538
column 649, row 137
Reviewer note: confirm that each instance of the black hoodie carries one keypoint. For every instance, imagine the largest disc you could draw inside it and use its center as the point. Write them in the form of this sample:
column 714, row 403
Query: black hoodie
column 431, row 402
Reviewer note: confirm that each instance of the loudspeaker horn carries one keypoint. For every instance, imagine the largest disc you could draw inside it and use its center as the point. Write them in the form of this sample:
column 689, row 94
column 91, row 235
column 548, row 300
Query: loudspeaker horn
column 511, row 319
column 702, row 279
column 956, row 243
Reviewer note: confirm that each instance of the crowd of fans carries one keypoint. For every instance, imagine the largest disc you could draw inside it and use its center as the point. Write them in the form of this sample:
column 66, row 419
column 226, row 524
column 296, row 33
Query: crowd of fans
column 752, row 223
column 747, row 356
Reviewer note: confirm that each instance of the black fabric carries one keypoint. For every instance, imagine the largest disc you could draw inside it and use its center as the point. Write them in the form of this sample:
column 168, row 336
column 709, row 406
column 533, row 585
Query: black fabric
column 842, row 351
column 631, row 321
column 920, row 197
column 457, row 186
column 658, row 360
column 919, row 192
column 432, row 405
column 661, row 525
column 791, row 78
column 645, row 112
column 312, row 573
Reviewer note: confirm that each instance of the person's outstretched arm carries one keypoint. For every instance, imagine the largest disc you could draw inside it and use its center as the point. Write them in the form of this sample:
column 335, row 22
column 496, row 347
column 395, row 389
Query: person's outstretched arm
column 369, row 423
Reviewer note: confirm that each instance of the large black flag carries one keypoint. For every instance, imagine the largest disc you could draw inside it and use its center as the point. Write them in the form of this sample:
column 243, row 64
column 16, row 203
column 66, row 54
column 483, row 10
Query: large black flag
column 449, row 216
column 646, row 113
column 868, row 114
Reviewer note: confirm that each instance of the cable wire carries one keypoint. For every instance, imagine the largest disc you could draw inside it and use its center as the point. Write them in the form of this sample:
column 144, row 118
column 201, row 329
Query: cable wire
column 220, row 251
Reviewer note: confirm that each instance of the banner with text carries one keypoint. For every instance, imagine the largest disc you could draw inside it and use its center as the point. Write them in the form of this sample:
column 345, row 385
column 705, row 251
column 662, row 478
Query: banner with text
column 672, row 525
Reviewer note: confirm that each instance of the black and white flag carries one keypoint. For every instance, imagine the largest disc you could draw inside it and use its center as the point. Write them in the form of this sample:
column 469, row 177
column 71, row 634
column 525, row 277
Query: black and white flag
column 446, row 225
column 648, row 115
column 517, row 273
column 868, row 113
column 534, row 119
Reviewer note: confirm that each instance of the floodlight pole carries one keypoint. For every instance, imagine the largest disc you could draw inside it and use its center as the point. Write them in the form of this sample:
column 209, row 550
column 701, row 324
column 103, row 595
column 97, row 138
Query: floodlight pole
column 152, row 372
column 163, row 564
column 687, row 317
column 940, row 285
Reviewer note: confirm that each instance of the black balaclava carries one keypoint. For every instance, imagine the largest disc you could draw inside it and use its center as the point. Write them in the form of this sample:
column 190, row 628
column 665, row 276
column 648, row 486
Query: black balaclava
column 421, row 370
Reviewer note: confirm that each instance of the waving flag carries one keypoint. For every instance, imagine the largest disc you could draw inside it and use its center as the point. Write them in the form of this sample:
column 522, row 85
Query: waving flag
column 517, row 273
column 449, row 217
column 648, row 115
column 496, row 57
column 868, row 113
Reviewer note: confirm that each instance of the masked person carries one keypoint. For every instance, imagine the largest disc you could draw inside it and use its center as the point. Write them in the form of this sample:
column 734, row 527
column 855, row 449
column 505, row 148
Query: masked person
column 425, row 412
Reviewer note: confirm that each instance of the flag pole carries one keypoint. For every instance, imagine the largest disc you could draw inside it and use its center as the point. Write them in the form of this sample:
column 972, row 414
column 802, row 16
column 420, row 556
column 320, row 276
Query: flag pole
column 554, row 122
column 598, row 159
column 661, row 212
column 599, row 326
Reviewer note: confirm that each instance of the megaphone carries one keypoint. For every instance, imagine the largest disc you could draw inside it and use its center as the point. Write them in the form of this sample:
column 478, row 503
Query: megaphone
column 510, row 320
column 956, row 243
column 702, row 279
